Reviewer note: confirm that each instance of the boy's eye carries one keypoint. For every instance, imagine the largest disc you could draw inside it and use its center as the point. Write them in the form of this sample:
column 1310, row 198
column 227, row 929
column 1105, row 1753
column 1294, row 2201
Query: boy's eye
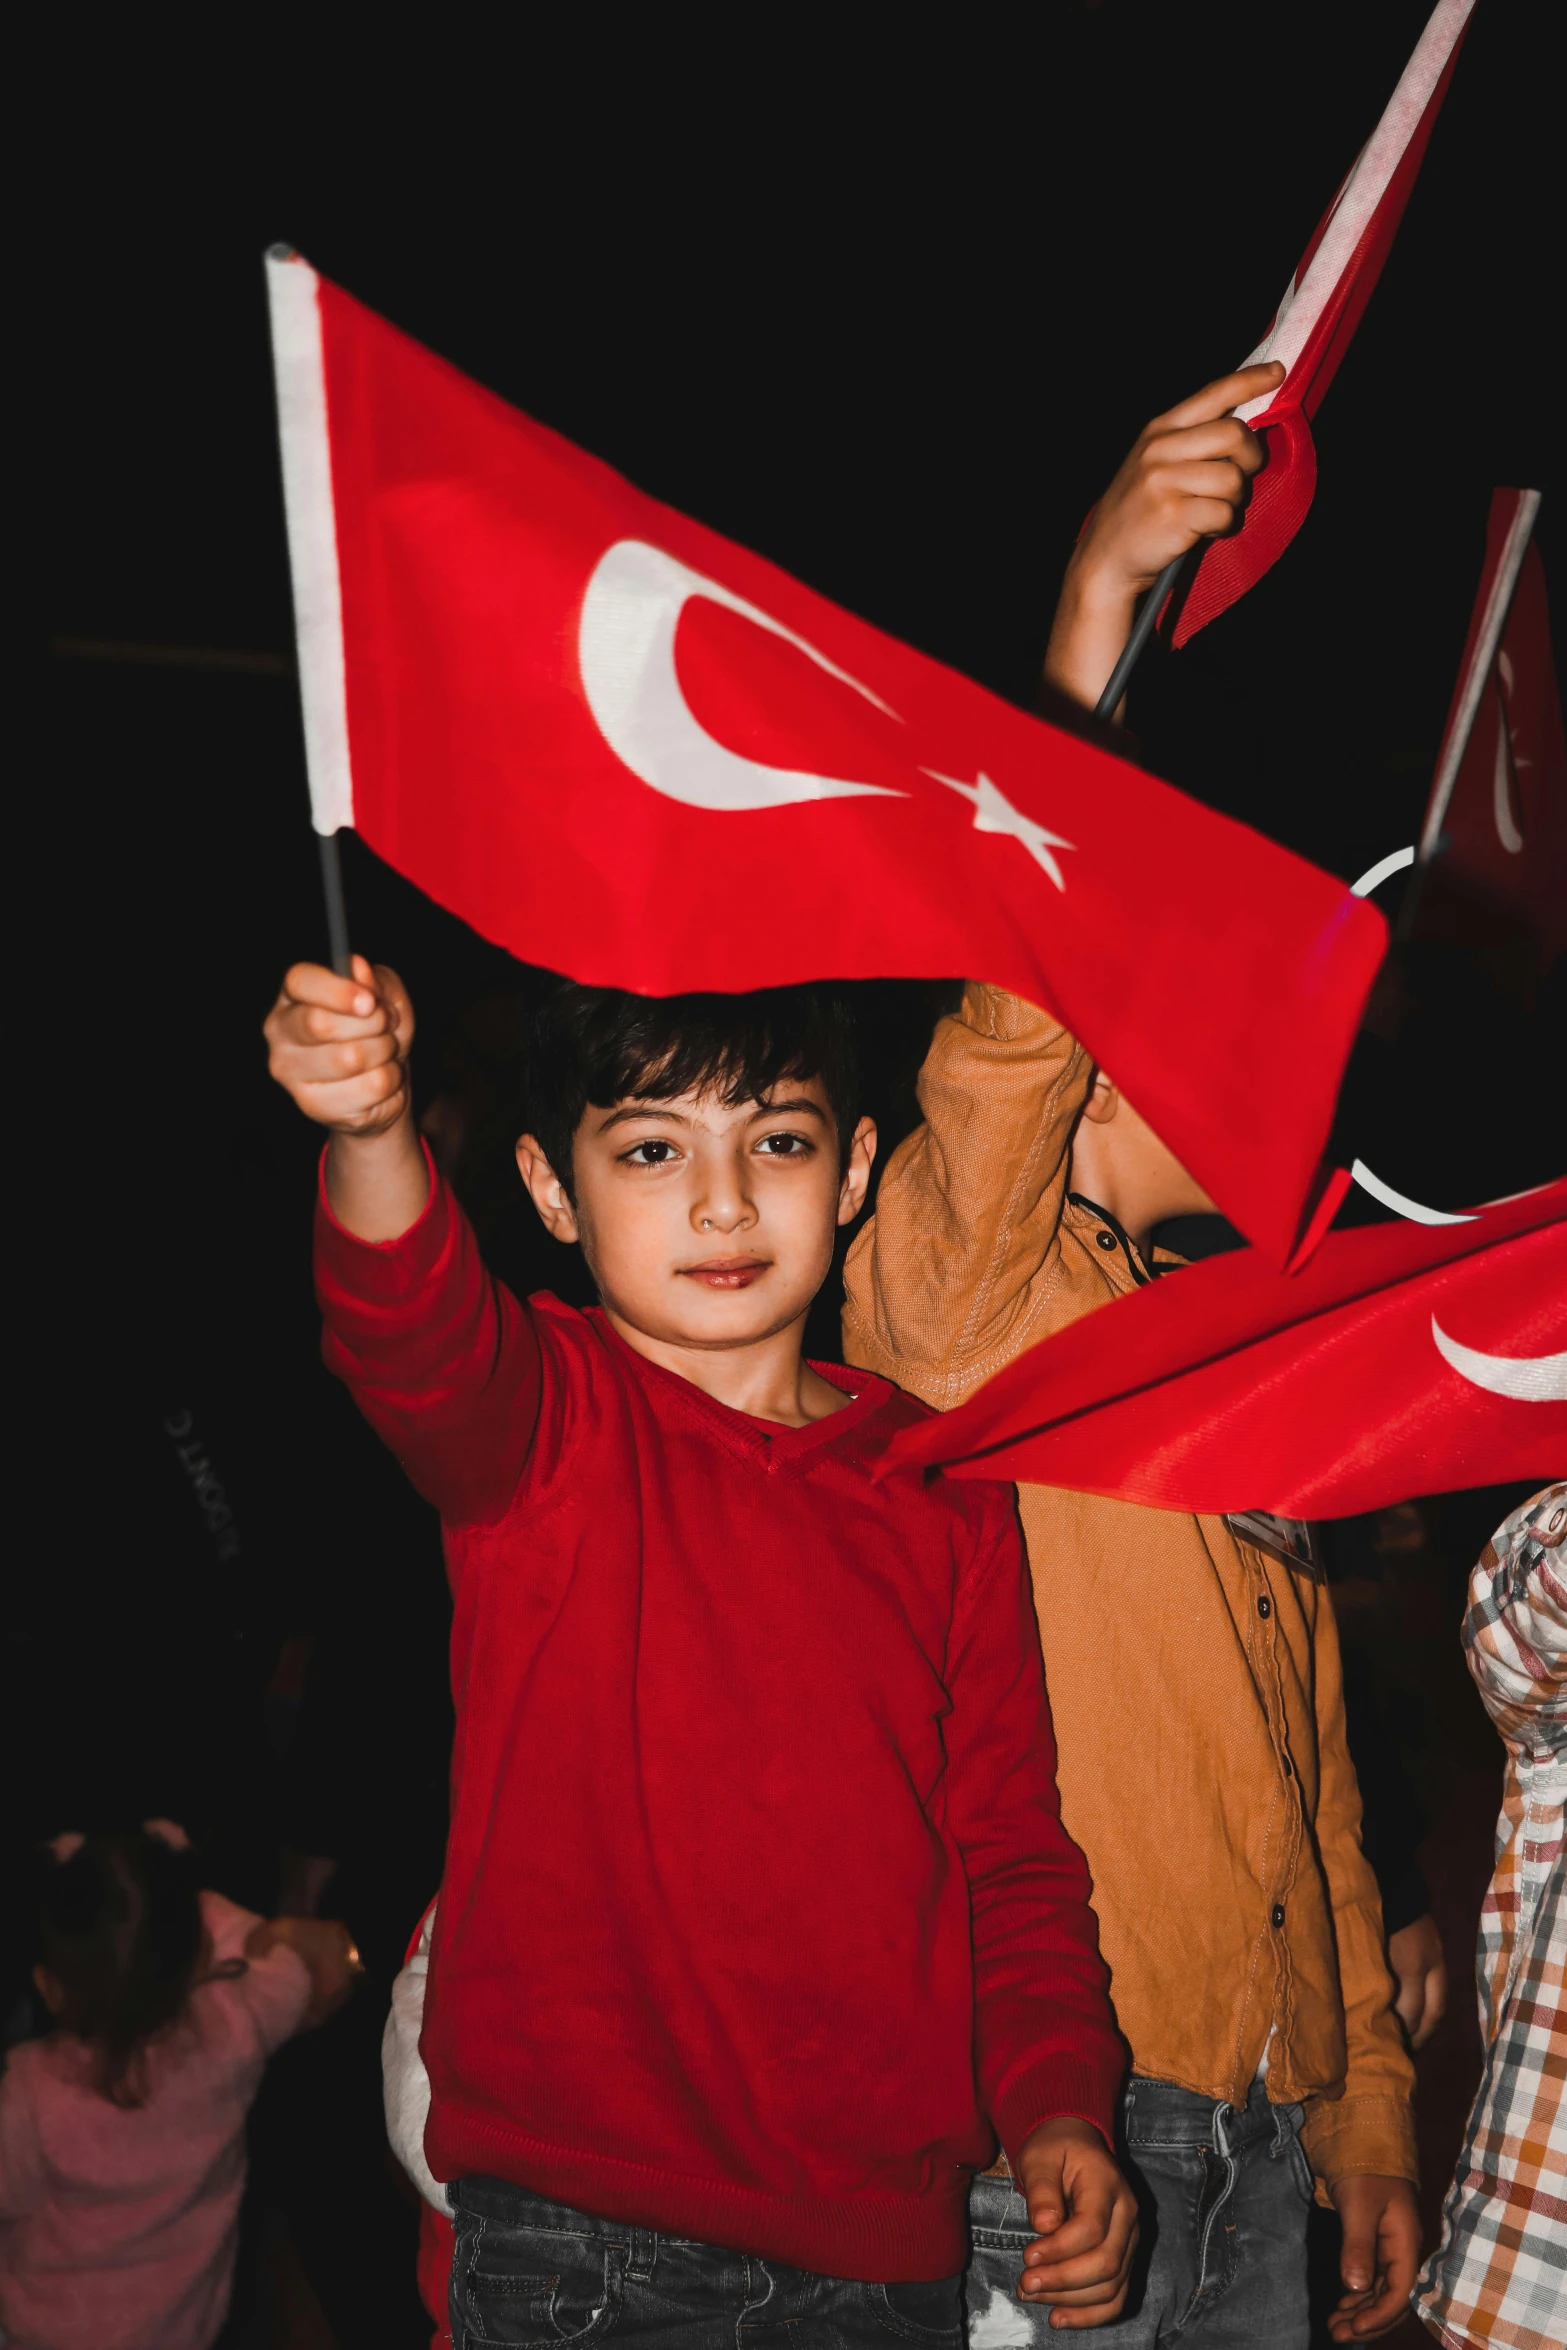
column 784, row 1146
column 655, row 1152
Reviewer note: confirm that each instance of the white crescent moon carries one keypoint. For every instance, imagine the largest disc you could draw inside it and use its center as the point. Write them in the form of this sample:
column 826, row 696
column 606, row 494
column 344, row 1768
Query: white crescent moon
column 1526, row 1378
column 626, row 647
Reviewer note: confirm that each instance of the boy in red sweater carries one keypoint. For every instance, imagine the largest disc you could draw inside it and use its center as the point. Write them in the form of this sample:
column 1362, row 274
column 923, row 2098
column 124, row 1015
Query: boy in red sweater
column 758, row 1924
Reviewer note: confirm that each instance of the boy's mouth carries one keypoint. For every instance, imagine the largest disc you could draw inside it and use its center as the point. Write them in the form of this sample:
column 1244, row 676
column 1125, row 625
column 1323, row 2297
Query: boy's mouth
column 726, row 1272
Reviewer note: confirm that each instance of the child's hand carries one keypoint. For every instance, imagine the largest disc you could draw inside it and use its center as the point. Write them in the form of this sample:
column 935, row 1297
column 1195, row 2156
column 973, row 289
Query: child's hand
column 1380, row 2256
column 340, row 1046
column 329, row 1954
column 1085, row 2220
column 1184, row 480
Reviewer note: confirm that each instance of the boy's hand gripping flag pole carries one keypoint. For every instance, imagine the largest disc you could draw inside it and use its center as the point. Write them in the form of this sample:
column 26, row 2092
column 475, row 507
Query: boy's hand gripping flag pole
column 626, row 749
column 1310, row 332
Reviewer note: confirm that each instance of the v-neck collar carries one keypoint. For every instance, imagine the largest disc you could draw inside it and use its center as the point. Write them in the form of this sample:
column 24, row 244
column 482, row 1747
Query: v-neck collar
column 769, row 1444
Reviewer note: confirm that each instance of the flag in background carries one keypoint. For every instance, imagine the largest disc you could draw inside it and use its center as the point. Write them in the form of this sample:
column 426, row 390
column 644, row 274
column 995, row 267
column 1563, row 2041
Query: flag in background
column 627, row 749
column 1493, row 847
column 1403, row 1359
column 1314, row 322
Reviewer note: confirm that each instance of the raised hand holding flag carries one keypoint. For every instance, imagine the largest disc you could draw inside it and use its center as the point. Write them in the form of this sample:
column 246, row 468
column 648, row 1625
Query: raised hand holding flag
column 1309, row 334
column 1320, row 310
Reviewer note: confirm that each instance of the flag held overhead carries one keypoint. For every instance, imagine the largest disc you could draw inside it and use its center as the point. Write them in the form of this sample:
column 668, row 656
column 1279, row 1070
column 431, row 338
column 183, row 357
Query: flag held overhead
column 1313, row 325
column 631, row 751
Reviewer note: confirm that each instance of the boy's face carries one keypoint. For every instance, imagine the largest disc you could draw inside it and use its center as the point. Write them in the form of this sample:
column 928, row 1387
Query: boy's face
column 705, row 1226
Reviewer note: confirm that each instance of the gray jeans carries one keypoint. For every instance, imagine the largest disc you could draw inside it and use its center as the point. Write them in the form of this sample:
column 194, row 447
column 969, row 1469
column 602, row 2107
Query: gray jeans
column 533, row 2273
column 1223, row 2193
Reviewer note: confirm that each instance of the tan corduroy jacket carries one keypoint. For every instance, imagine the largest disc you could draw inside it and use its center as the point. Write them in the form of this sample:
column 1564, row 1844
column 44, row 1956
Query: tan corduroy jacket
column 1194, row 1680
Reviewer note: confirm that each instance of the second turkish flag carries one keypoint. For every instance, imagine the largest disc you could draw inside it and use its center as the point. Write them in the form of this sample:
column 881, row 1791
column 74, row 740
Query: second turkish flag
column 625, row 748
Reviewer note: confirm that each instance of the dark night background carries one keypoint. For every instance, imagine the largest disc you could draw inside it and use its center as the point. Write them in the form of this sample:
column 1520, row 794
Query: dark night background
column 885, row 299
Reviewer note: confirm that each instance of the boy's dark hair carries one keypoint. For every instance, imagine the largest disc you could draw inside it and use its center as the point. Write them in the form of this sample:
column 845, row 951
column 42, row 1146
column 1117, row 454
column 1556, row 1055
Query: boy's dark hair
column 121, row 1931
column 599, row 1045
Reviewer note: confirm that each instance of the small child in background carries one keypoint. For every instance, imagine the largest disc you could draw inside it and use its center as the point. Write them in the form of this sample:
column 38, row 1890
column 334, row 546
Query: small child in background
column 122, row 2130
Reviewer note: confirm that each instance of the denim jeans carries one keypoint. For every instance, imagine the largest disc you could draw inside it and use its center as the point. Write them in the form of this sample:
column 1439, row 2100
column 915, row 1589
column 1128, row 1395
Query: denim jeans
column 526, row 2271
column 1222, row 2192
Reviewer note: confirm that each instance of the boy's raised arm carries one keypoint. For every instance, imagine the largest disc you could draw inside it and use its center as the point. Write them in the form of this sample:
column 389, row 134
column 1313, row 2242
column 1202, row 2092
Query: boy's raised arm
column 956, row 1272
column 441, row 1360
column 340, row 1047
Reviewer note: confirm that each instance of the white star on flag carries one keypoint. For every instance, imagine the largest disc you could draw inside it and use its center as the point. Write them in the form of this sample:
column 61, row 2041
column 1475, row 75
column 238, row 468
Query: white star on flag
column 994, row 812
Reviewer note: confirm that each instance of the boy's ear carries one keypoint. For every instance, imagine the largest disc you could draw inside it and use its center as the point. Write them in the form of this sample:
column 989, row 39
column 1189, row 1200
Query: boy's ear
column 1104, row 1099
column 857, row 1171
column 546, row 1190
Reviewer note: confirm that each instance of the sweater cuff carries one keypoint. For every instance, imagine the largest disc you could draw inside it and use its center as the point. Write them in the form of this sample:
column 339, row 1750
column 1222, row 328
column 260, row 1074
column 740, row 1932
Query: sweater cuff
column 1349, row 2137
column 382, row 1272
column 1069, row 2089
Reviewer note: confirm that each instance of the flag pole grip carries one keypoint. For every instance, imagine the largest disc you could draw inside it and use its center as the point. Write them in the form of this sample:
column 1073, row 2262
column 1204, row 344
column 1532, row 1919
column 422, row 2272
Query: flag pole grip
column 336, row 910
column 1142, row 629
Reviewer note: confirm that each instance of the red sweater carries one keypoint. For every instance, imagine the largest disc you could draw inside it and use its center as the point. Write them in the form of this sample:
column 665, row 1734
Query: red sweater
column 758, row 1914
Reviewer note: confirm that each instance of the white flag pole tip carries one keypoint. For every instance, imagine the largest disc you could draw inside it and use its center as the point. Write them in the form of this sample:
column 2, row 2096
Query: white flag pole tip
column 293, row 297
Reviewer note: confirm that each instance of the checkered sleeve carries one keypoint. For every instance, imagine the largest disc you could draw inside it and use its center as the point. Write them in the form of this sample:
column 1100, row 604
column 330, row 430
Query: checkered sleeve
column 1499, row 2273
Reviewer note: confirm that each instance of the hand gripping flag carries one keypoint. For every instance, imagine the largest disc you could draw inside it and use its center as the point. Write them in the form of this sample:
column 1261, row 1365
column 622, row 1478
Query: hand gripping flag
column 1493, row 847
column 1312, row 326
column 628, row 750
column 1401, row 1360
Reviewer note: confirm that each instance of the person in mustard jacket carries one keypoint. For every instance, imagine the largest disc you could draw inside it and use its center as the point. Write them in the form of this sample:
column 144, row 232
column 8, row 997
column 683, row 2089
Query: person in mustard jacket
column 1192, row 1662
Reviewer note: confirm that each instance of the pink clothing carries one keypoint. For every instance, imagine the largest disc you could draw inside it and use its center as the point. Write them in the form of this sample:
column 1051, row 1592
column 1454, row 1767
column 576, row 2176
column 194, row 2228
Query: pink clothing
column 118, row 2226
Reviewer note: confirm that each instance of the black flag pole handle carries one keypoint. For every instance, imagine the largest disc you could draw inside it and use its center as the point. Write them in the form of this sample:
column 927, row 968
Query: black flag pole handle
column 1142, row 629
column 336, row 911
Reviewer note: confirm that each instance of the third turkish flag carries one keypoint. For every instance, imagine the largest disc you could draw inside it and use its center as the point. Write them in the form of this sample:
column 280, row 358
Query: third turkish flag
column 627, row 749
column 1320, row 311
column 1403, row 1359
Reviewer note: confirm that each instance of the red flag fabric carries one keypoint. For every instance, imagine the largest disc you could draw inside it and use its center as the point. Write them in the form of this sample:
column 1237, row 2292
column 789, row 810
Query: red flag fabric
column 1403, row 1359
column 627, row 749
column 1494, row 841
column 1320, row 311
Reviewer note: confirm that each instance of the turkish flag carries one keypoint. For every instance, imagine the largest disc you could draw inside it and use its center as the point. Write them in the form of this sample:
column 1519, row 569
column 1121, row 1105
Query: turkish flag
column 629, row 750
column 1312, row 326
column 1403, row 1359
column 1494, row 841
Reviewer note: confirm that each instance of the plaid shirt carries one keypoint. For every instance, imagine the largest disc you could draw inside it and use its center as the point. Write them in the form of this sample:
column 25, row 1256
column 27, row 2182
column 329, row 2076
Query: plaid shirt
column 1499, row 2275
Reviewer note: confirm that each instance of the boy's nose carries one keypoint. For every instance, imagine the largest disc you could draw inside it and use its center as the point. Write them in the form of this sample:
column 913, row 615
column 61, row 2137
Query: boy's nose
column 723, row 1207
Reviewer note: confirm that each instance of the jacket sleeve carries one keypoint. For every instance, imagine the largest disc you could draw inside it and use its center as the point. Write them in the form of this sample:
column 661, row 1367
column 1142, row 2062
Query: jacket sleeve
column 1045, row 2037
column 958, row 1270
column 1370, row 2128
column 443, row 1362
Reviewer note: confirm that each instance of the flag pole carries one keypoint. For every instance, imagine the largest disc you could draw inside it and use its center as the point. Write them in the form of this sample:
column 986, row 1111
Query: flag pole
column 336, row 910
column 1142, row 629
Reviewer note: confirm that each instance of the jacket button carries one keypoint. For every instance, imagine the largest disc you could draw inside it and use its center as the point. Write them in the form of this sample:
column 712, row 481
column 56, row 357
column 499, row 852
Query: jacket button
column 1276, row 1914
column 1105, row 1239
column 1264, row 1606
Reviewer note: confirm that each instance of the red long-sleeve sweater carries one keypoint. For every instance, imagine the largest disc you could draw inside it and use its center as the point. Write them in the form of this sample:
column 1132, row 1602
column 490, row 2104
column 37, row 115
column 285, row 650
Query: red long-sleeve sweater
column 757, row 1911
